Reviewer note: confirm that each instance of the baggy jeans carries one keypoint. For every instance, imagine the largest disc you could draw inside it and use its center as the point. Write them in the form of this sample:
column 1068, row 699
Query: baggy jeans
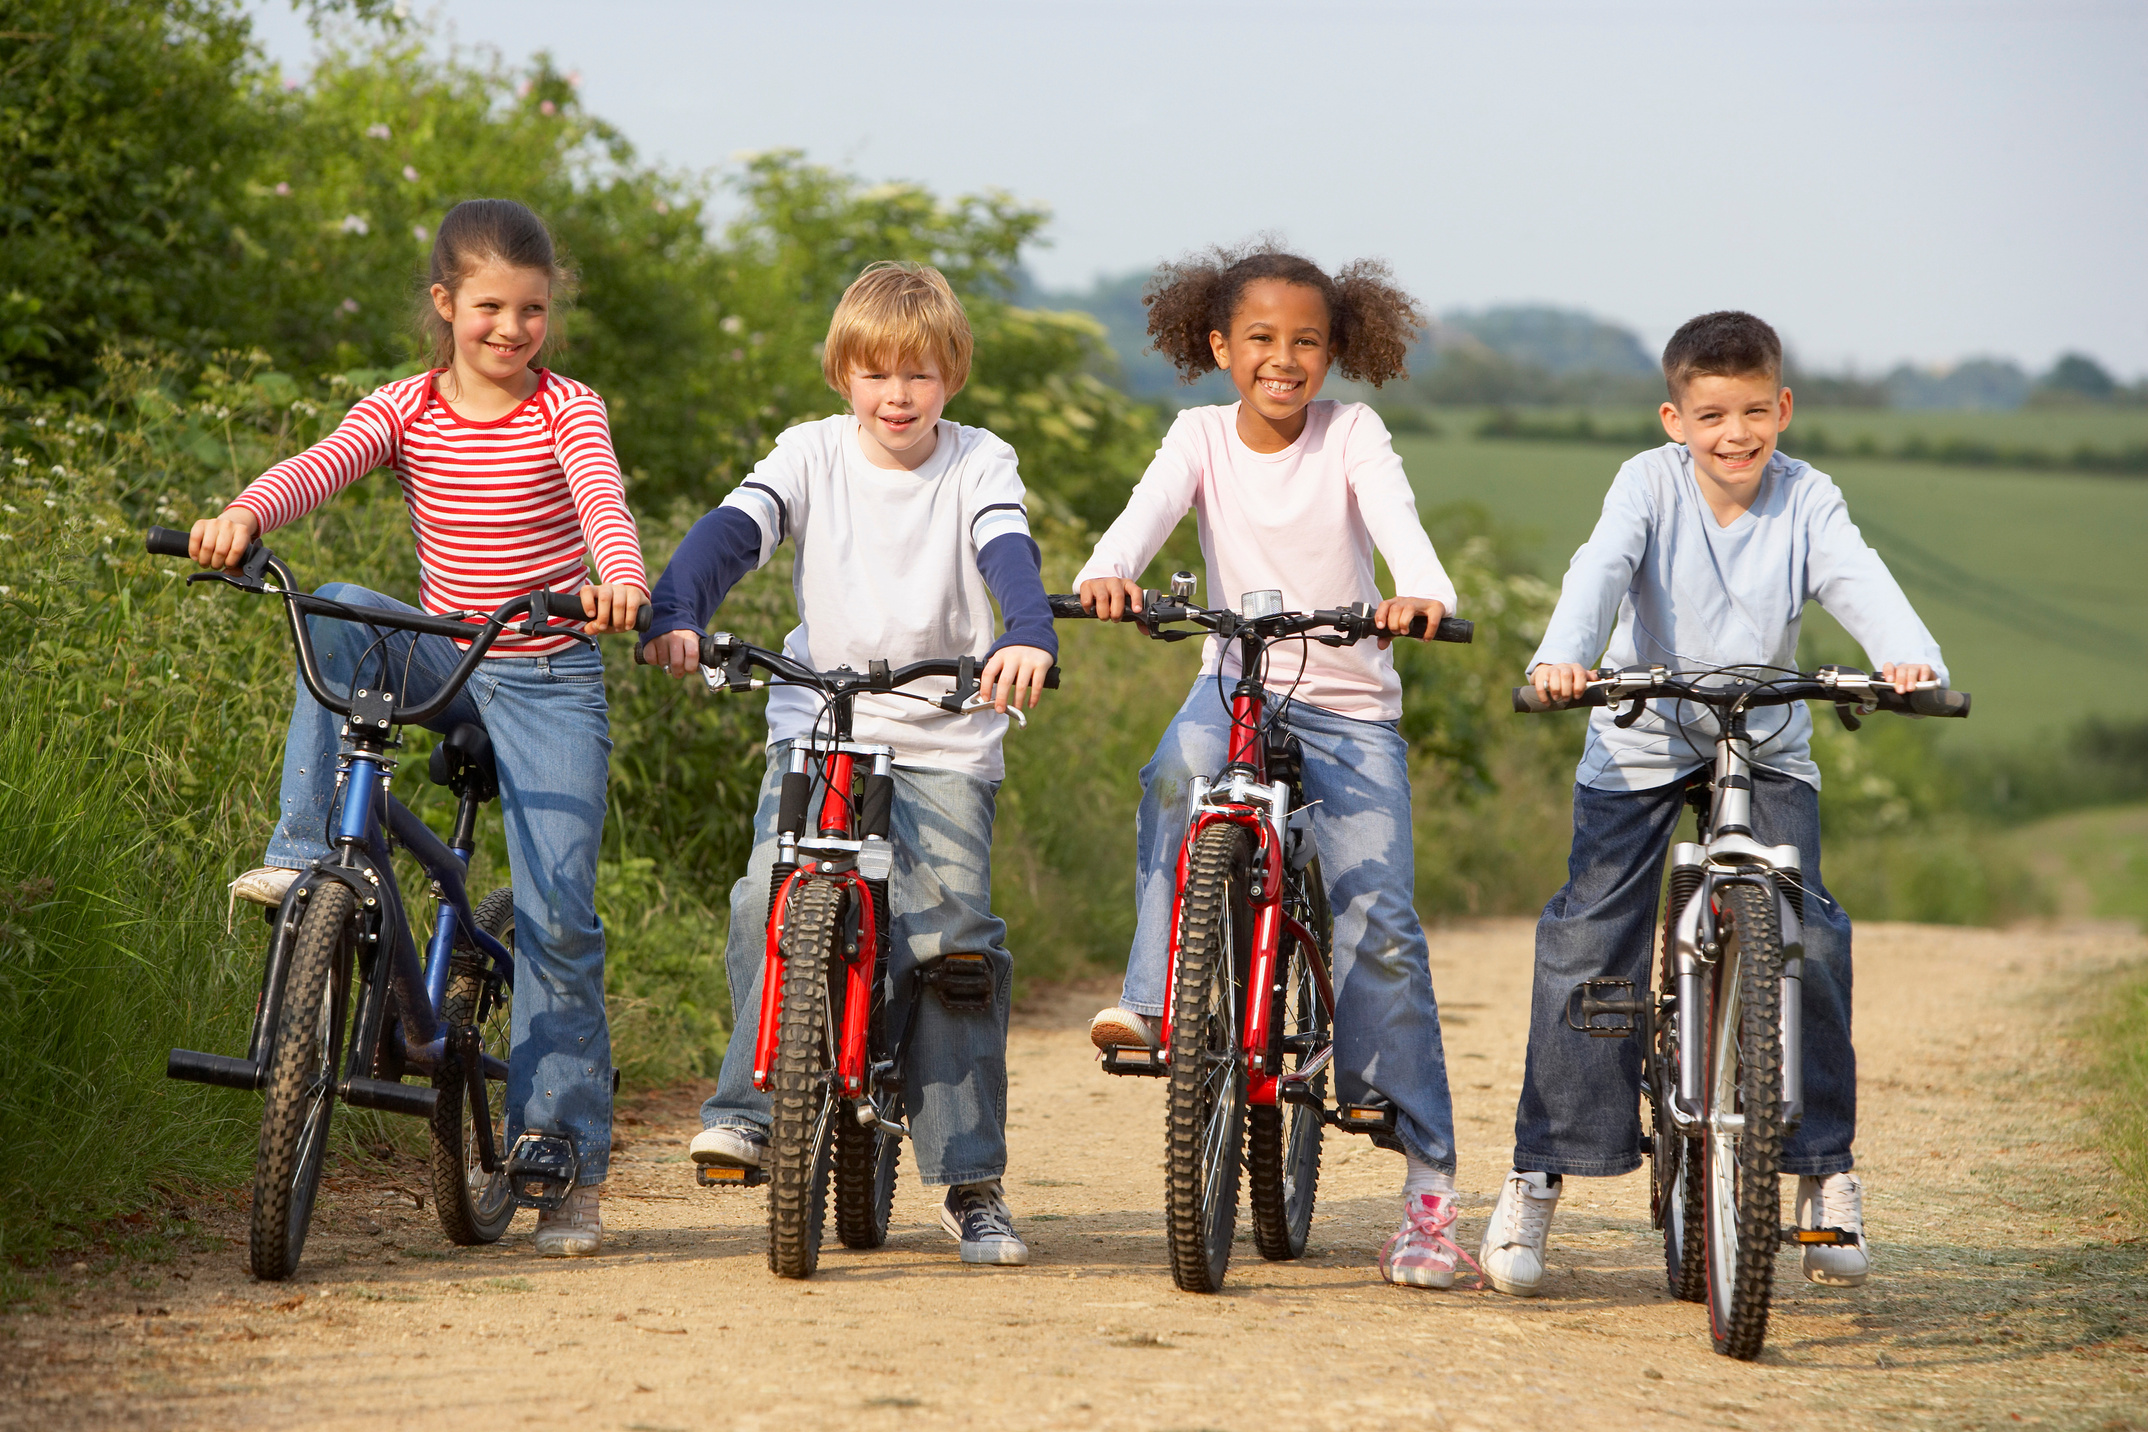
column 1387, row 1039
column 939, row 903
column 551, row 739
column 1580, row 1101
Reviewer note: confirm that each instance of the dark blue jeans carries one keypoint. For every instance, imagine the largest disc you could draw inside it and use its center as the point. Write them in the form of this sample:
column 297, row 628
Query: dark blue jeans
column 1580, row 1102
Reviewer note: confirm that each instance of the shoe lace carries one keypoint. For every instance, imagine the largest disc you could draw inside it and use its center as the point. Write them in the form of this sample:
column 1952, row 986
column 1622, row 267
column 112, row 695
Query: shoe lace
column 984, row 1209
column 1842, row 1202
column 1528, row 1219
column 1428, row 1218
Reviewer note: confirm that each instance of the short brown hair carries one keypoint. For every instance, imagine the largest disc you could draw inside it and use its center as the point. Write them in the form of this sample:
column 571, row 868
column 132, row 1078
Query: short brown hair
column 477, row 232
column 1371, row 322
column 894, row 311
column 1726, row 344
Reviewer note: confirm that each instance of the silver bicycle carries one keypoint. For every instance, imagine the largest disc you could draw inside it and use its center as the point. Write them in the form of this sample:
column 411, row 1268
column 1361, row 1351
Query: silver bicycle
column 1721, row 1033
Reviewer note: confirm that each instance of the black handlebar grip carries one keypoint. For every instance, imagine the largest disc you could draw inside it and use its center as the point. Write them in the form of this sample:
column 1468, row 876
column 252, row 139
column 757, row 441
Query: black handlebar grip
column 1450, row 629
column 1051, row 678
column 1527, row 701
column 1066, row 606
column 1939, row 702
column 167, row 542
column 642, row 618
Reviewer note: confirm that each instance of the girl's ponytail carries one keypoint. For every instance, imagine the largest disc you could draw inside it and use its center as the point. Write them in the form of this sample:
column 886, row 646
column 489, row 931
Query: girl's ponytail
column 475, row 233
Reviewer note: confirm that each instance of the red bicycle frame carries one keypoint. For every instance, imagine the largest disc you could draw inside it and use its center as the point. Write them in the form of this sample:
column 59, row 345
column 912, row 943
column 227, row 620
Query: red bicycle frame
column 1271, row 922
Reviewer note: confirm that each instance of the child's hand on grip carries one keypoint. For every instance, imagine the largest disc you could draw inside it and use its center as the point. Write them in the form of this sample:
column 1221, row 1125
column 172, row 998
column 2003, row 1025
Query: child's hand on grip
column 1110, row 599
column 1012, row 671
column 1906, row 675
column 1560, row 680
column 611, row 606
column 219, row 542
column 678, row 652
column 1397, row 613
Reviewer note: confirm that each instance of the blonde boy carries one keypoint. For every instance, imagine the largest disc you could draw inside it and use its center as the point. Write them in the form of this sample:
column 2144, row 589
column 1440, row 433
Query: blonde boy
column 904, row 528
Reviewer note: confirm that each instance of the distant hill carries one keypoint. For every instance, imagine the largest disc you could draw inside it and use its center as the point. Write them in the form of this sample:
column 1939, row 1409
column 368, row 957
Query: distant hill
column 1557, row 340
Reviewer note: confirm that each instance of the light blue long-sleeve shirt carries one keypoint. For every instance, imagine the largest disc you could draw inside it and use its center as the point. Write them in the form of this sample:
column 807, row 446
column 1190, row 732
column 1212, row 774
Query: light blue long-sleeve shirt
column 1691, row 595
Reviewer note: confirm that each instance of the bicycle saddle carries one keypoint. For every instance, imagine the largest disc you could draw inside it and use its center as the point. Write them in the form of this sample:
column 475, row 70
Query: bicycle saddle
column 463, row 761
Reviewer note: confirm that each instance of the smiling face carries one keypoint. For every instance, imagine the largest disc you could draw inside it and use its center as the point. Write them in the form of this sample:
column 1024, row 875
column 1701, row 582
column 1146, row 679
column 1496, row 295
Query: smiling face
column 898, row 404
column 499, row 316
column 1277, row 354
column 1731, row 424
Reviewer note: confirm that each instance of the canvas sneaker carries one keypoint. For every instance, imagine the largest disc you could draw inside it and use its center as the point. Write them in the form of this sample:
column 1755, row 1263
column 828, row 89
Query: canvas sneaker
column 977, row 1214
column 266, row 885
column 1422, row 1253
column 729, row 1146
column 1513, row 1248
column 575, row 1229
column 1836, row 1201
column 1118, row 1028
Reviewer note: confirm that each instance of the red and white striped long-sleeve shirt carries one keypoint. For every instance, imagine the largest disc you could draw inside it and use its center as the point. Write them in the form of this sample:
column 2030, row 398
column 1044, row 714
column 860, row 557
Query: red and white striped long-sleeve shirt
column 498, row 508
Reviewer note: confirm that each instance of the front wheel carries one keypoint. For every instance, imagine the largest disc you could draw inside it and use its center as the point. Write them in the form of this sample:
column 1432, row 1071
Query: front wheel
column 300, row 1096
column 802, row 1132
column 1743, row 1138
column 475, row 1206
column 1283, row 1140
column 1205, row 1106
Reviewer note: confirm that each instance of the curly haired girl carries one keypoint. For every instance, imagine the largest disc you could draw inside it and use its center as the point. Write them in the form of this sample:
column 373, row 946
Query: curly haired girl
column 1294, row 493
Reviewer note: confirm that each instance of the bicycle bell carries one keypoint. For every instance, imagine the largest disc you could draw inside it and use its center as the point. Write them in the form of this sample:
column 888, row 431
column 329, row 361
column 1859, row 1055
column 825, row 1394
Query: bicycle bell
column 1182, row 585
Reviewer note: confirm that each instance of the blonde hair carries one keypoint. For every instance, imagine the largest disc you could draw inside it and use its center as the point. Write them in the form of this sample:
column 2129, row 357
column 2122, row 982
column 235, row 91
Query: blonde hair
column 895, row 311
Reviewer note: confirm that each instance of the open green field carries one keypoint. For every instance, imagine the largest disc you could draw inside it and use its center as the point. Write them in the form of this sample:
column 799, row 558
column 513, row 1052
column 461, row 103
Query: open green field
column 2022, row 576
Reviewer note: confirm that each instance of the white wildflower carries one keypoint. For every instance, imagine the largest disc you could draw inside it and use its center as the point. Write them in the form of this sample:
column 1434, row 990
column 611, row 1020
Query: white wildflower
column 410, row 173
column 376, row 131
column 419, row 232
column 354, row 224
column 349, row 305
column 733, row 324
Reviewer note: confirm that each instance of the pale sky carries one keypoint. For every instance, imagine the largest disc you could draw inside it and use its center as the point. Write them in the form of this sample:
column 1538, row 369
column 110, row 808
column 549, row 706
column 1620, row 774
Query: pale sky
column 1884, row 180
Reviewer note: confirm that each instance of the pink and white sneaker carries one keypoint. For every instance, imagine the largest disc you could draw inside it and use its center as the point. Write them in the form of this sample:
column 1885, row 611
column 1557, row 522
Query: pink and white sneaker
column 1422, row 1254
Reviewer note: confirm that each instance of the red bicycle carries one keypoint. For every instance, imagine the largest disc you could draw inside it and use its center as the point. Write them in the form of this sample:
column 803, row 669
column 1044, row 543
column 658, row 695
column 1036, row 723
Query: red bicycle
column 1249, row 1010
column 822, row 1052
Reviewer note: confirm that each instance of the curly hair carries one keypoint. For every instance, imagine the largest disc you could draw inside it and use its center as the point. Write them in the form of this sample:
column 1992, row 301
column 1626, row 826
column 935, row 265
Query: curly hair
column 1371, row 322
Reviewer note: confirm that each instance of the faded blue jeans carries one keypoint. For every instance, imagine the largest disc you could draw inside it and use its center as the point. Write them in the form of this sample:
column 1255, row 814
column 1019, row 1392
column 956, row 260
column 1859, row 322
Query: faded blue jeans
column 1387, row 1041
column 939, row 903
column 551, row 739
column 1580, row 1101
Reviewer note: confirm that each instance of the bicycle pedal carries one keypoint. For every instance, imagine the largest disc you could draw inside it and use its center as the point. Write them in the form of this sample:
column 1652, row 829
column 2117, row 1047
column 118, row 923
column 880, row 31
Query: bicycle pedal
column 728, row 1176
column 1369, row 1118
column 1128, row 1059
column 1822, row 1237
column 1595, row 1006
column 963, row 982
column 541, row 1170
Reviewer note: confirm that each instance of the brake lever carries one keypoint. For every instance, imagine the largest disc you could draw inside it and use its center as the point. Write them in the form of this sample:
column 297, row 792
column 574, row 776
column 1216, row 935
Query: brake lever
column 980, row 702
column 243, row 583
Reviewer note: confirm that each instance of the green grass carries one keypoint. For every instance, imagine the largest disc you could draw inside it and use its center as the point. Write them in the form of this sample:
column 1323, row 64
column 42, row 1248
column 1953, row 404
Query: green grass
column 2022, row 577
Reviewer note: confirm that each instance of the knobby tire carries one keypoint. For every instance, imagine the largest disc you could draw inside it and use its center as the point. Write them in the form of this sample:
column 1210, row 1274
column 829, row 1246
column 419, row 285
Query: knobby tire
column 805, row 1107
column 1744, row 1195
column 474, row 1206
column 299, row 1097
column 1283, row 1140
column 1205, row 1105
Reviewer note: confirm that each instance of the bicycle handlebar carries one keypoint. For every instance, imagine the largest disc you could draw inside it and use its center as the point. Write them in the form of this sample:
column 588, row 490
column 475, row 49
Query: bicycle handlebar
column 721, row 651
column 1355, row 623
column 1842, row 685
column 259, row 562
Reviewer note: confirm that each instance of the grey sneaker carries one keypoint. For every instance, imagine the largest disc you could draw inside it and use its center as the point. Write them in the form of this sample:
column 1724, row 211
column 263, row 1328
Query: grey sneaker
column 575, row 1229
column 729, row 1146
column 1118, row 1028
column 1837, row 1201
column 977, row 1213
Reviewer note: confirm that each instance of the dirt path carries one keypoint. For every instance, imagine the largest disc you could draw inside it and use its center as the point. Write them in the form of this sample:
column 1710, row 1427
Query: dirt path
column 2009, row 1293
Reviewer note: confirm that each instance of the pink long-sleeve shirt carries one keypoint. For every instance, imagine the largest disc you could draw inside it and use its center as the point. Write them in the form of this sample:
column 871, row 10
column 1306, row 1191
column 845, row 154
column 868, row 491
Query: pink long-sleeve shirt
column 1304, row 521
column 498, row 508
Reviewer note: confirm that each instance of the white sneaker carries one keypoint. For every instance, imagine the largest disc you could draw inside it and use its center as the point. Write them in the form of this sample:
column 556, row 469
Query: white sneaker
column 1837, row 1201
column 1513, row 1249
column 729, row 1146
column 1117, row 1028
column 265, row 885
column 575, row 1229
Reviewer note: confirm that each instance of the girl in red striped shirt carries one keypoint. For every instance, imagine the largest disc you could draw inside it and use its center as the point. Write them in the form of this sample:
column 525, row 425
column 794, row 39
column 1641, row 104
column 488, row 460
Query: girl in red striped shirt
column 512, row 485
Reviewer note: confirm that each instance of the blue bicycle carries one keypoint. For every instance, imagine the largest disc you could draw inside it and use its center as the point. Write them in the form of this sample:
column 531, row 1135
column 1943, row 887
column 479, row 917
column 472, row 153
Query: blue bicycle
column 445, row 1018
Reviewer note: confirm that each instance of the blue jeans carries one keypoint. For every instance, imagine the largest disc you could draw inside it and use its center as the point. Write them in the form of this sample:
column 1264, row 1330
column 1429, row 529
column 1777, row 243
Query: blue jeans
column 939, row 903
column 1580, row 1100
column 1387, row 1042
column 552, row 742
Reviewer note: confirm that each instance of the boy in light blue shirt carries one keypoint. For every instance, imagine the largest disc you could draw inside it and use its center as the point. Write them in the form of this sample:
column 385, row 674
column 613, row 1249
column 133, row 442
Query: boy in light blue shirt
column 1706, row 553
